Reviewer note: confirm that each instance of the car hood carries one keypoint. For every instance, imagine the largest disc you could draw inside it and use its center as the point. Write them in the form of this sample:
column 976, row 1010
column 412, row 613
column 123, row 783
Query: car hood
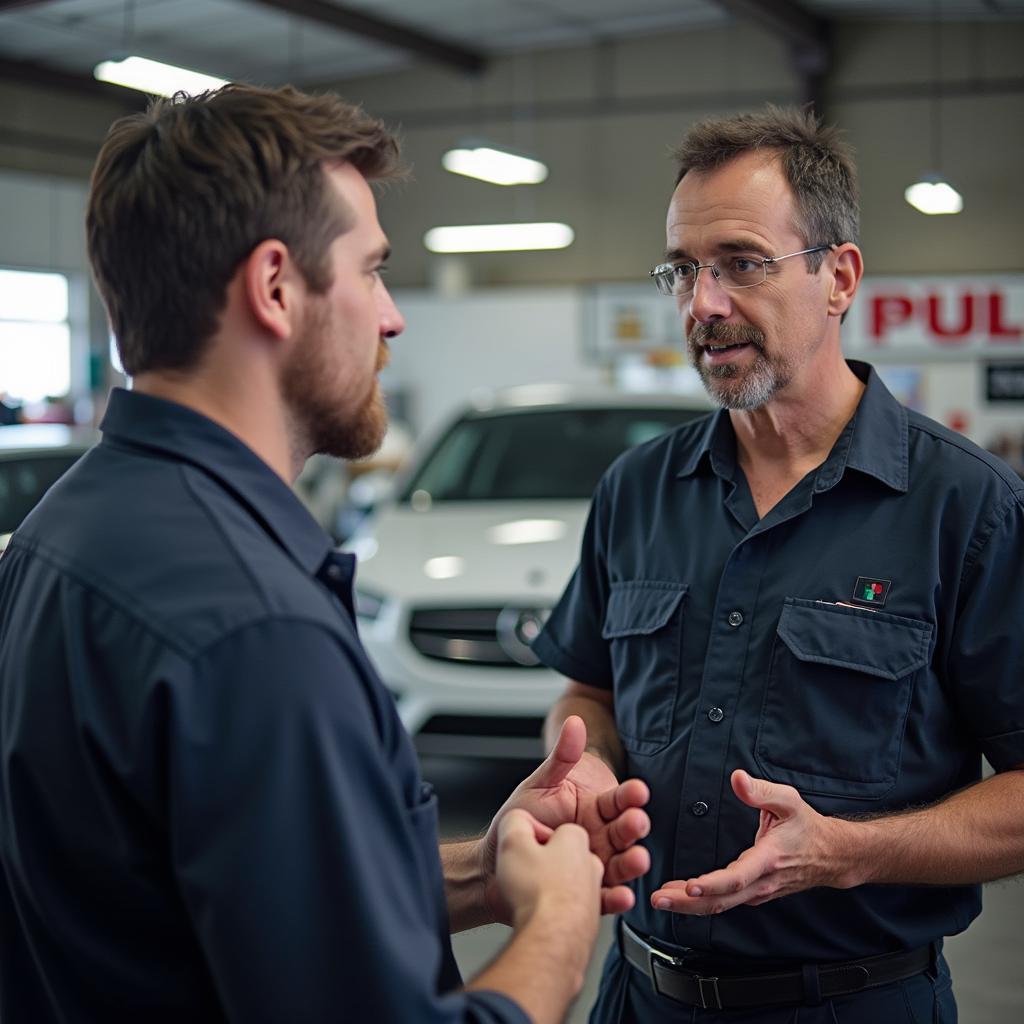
column 471, row 551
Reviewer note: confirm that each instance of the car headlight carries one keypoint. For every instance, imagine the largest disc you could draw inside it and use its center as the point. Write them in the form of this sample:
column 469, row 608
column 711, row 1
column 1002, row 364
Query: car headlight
column 368, row 604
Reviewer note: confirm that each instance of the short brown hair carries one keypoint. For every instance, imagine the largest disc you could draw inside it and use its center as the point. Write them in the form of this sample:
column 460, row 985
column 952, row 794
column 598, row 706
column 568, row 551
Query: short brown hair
column 182, row 193
column 817, row 163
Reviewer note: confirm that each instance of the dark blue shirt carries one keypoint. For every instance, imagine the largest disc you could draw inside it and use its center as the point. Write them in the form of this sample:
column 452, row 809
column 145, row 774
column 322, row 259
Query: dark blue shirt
column 863, row 642
column 209, row 809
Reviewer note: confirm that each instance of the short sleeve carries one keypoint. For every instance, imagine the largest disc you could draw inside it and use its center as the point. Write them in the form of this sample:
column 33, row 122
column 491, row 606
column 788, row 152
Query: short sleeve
column 571, row 641
column 986, row 666
column 307, row 876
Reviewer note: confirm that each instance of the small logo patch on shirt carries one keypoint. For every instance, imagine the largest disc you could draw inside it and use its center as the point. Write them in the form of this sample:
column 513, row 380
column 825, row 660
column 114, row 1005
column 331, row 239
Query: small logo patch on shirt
column 868, row 590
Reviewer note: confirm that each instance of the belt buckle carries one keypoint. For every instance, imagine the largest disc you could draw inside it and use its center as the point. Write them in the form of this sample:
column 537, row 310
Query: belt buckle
column 706, row 986
column 654, row 956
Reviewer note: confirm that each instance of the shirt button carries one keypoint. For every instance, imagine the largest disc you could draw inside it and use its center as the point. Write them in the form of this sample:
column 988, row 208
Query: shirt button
column 735, row 618
column 334, row 573
column 699, row 809
column 716, row 714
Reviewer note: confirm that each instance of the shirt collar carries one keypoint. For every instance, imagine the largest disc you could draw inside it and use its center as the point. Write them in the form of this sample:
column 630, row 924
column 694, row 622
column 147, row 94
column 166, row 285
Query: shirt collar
column 879, row 437
column 717, row 445
column 875, row 441
column 175, row 430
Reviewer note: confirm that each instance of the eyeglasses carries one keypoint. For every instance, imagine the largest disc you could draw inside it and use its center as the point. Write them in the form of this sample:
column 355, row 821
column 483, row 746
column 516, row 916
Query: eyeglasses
column 737, row 270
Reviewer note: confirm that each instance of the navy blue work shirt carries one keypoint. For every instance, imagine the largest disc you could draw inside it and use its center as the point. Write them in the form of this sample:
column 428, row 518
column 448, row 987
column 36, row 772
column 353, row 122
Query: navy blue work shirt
column 863, row 642
column 209, row 810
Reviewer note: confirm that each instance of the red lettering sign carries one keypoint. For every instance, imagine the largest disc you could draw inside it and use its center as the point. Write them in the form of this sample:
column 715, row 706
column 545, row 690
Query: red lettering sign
column 889, row 311
column 996, row 328
column 943, row 318
column 944, row 334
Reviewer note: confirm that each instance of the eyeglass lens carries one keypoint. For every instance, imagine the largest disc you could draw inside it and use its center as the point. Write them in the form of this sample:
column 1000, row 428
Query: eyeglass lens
column 732, row 272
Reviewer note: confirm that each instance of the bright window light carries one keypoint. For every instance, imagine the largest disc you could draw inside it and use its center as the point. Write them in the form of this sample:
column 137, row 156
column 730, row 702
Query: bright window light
column 153, row 77
column 494, row 165
column 35, row 360
column 36, row 297
column 933, row 196
column 498, row 237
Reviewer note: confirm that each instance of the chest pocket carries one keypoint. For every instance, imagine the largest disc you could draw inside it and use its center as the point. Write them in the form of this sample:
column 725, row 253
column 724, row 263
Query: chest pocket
column 644, row 627
column 839, row 687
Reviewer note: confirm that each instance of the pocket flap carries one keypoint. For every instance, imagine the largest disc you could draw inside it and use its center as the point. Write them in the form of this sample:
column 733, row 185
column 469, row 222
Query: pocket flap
column 641, row 607
column 884, row 645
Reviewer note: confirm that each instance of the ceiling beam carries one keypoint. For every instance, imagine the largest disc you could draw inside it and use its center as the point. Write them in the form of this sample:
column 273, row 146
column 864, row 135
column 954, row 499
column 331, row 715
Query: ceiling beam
column 347, row 19
column 809, row 38
column 10, row 5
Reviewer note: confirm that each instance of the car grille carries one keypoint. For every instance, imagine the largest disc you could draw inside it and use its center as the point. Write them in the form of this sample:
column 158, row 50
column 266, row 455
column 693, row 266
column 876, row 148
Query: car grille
column 469, row 635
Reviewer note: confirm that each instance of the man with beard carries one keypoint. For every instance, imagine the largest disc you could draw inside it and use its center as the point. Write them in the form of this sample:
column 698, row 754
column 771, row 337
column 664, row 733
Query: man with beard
column 209, row 809
column 798, row 620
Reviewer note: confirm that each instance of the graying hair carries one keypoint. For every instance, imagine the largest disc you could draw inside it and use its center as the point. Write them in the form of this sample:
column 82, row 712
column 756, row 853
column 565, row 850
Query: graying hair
column 817, row 163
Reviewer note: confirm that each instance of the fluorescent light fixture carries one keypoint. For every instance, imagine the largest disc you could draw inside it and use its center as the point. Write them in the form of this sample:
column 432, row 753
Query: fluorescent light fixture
column 444, row 567
column 934, row 195
column 499, row 237
column 498, row 166
column 153, row 77
column 527, row 531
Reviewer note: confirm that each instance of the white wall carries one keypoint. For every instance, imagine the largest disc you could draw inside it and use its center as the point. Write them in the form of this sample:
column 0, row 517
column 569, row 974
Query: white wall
column 453, row 346
column 42, row 222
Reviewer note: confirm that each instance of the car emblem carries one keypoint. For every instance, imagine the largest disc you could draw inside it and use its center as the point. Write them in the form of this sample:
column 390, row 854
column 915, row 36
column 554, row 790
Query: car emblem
column 516, row 630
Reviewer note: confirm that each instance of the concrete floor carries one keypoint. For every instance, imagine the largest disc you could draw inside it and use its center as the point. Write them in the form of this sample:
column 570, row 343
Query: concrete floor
column 986, row 961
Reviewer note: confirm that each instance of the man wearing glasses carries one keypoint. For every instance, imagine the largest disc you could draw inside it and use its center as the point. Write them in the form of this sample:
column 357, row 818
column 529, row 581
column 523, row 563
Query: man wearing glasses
column 798, row 620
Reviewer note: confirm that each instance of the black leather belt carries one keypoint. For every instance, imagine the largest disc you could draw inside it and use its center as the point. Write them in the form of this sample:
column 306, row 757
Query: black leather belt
column 672, row 977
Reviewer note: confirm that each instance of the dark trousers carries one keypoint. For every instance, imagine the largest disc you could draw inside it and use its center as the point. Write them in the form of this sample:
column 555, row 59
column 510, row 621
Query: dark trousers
column 627, row 997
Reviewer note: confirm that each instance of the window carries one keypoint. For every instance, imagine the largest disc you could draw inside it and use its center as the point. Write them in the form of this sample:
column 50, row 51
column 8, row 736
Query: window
column 35, row 337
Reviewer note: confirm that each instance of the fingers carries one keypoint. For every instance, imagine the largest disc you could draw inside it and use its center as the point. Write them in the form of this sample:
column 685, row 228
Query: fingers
column 631, row 793
column 679, row 901
column 523, row 824
column 746, row 879
column 617, row 900
column 782, row 801
column 627, row 828
column 516, row 826
column 575, row 840
column 565, row 754
column 679, row 898
column 625, row 866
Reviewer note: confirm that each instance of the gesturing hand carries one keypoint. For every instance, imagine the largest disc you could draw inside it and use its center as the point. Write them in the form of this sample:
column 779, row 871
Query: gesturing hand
column 794, row 850
column 555, row 866
column 574, row 786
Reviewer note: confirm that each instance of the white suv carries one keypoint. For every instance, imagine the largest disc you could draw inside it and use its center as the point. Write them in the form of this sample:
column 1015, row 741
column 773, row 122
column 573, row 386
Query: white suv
column 460, row 567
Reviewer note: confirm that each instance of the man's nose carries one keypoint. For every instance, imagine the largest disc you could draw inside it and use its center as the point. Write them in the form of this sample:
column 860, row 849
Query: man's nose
column 709, row 300
column 392, row 323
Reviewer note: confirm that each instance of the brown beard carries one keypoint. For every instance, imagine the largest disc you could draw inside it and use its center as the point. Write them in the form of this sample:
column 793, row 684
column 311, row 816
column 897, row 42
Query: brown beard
column 322, row 424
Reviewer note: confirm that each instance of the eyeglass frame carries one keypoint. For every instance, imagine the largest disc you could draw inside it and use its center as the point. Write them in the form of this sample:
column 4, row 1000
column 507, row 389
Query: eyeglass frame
column 661, row 269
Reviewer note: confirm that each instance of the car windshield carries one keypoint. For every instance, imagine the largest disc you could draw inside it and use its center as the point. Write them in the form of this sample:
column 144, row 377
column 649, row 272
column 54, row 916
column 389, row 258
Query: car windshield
column 552, row 453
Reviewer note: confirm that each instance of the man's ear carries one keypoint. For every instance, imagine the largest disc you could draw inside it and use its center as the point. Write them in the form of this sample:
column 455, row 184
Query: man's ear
column 271, row 281
column 849, row 270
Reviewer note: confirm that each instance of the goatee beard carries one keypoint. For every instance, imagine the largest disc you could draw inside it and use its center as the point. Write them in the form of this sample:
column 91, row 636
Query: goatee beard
column 730, row 385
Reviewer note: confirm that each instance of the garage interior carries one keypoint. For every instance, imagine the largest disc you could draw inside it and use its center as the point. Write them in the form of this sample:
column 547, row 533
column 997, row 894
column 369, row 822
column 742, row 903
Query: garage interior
column 599, row 92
